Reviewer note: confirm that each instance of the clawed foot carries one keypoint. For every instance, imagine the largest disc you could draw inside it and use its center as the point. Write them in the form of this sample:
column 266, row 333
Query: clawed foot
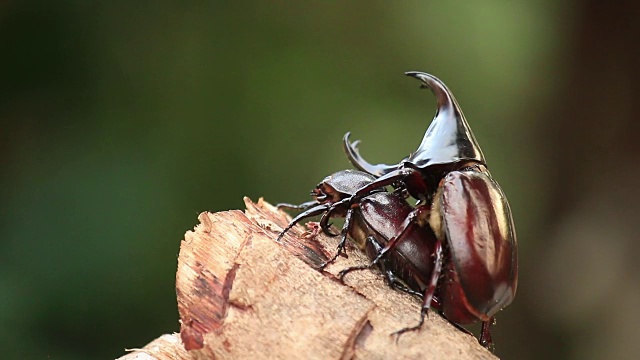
column 423, row 315
column 330, row 261
column 344, row 272
column 398, row 333
column 485, row 334
column 488, row 345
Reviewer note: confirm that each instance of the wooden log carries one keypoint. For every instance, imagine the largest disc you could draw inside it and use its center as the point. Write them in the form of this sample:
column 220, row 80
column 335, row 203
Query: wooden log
column 242, row 295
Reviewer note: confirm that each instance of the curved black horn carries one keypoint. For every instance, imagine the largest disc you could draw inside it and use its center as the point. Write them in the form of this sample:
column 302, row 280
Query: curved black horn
column 449, row 138
column 351, row 148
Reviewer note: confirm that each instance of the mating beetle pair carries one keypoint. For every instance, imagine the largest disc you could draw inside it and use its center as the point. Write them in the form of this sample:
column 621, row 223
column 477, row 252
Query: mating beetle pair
column 457, row 247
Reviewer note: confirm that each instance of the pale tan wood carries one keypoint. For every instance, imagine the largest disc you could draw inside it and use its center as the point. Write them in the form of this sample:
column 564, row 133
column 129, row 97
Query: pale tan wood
column 241, row 295
column 166, row 347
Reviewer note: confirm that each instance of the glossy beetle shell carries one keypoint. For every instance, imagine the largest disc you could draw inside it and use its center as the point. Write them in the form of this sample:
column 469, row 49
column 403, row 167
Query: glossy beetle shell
column 481, row 241
column 382, row 215
column 346, row 182
column 449, row 138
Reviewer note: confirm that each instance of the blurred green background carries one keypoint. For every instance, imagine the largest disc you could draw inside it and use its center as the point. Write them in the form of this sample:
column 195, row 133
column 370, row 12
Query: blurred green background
column 120, row 122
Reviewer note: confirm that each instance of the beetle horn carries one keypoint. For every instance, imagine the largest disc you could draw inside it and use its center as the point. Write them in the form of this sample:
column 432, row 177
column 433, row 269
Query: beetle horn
column 351, row 149
column 448, row 139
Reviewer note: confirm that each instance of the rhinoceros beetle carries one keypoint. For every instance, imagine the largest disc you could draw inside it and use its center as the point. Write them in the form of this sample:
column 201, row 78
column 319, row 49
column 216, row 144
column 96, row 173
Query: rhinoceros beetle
column 377, row 218
column 469, row 213
column 458, row 199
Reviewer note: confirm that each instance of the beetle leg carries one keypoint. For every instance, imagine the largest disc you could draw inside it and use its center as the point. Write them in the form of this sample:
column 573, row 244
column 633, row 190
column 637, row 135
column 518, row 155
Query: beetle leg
column 370, row 240
column 409, row 176
column 437, row 304
column 392, row 279
column 343, row 240
column 416, row 216
column 303, row 206
column 324, row 222
column 316, row 210
column 396, row 284
column 427, row 297
column 485, row 334
column 344, row 272
column 411, row 218
column 435, row 276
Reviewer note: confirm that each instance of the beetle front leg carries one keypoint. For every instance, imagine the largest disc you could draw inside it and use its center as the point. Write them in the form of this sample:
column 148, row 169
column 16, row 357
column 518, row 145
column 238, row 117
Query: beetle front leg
column 412, row 178
column 303, row 206
column 396, row 284
column 435, row 276
column 343, row 240
column 344, row 272
column 324, row 222
column 316, row 210
column 392, row 279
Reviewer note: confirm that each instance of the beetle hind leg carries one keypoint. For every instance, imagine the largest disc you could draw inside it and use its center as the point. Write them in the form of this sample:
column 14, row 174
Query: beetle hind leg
column 377, row 248
column 390, row 276
column 435, row 276
column 313, row 211
column 414, row 217
column 427, row 297
column 485, row 334
column 344, row 272
column 396, row 284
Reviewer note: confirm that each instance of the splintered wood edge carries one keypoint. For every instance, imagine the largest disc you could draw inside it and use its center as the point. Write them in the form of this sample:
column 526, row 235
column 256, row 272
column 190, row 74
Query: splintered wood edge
column 243, row 295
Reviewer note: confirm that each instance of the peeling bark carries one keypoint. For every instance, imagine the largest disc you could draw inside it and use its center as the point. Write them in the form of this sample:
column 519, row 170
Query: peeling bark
column 241, row 295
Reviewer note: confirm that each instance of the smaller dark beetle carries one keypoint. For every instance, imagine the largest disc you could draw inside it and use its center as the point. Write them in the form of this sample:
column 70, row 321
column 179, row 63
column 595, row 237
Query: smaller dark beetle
column 416, row 258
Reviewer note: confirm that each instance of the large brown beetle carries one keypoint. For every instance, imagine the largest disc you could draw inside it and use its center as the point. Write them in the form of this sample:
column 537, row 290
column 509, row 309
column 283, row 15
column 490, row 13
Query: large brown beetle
column 469, row 213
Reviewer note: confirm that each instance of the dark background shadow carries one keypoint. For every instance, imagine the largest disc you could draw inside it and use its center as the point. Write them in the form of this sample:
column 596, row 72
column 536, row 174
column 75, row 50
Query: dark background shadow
column 120, row 123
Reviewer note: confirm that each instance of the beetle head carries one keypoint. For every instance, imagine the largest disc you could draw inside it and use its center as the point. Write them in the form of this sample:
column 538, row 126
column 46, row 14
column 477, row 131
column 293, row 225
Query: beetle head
column 340, row 185
column 448, row 139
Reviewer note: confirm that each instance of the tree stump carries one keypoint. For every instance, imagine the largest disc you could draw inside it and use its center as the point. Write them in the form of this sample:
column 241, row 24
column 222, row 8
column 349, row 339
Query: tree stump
column 242, row 295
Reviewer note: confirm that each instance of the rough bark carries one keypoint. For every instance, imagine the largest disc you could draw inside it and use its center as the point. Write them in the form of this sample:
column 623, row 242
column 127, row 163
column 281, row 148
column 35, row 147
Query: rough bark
column 241, row 295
